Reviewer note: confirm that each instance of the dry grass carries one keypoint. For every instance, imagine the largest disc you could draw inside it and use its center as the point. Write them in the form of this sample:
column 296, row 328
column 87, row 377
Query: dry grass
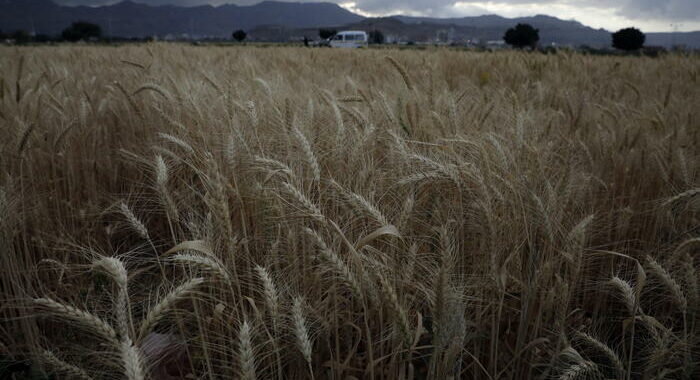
column 299, row 213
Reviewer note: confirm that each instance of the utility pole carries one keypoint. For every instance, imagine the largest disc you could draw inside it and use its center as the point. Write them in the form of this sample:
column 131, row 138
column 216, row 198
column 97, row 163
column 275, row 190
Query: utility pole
column 674, row 33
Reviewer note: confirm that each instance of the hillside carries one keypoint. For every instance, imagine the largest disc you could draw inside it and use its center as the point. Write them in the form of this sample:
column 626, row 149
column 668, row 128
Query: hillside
column 129, row 19
column 284, row 21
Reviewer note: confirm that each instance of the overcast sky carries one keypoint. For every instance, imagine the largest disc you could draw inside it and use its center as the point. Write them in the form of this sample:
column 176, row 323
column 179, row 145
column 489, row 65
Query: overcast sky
column 648, row 15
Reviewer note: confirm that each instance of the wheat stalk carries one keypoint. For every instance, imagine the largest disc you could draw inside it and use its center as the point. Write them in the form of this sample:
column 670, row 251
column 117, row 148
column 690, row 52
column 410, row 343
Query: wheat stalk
column 155, row 88
column 684, row 195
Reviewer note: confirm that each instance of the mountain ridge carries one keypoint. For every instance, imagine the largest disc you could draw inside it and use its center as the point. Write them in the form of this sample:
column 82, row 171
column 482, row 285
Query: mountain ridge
column 292, row 20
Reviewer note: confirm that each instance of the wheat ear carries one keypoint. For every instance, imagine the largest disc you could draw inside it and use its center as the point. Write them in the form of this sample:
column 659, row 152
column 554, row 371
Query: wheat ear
column 402, row 71
column 690, row 281
column 132, row 360
column 626, row 293
column 271, row 294
column 582, row 371
column 83, row 318
column 115, row 268
column 578, row 367
column 309, row 154
column 669, row 282
column 398, row 311
column 361, row 203
column 313, row 210
column 681, row 248
column 603, row 348
column 272, row 165
column 177, row 141
column 337, row 263
column 246, row 353
column 300, row 330
column 166, row 303
column 161, row 169
column 65, row 369
column 133, row 221
column 209, row 264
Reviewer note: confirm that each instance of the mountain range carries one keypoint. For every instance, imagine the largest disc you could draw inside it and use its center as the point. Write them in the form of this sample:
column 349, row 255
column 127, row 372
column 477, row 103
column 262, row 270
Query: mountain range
column 280, row 21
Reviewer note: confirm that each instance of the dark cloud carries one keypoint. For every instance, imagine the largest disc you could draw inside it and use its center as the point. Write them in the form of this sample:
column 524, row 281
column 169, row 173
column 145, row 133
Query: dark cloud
column 665, row 9
column 182, row 3
column 669, row 10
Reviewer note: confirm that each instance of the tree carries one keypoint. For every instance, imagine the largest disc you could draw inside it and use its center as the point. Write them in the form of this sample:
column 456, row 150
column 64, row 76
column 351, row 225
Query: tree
column 376, row 37
column 239, row 35
column 628, row 39
column 21, row 36
column 522, row 35
column 326, row 33
column 81, row 30
column 42, row 38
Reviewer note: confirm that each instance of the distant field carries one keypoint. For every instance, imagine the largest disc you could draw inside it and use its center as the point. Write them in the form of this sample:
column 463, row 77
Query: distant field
column 242, row 212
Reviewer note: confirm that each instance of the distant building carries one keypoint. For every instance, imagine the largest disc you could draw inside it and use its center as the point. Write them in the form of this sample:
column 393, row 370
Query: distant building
column 445, row 35
column 496, row 44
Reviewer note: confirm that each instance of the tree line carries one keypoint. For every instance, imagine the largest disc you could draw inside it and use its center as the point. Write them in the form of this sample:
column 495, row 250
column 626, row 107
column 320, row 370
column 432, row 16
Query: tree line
column 77, row 31
column 525, row 36
column 521, row 36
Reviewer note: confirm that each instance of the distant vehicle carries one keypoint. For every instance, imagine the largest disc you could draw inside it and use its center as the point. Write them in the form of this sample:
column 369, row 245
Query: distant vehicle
column 349, row 39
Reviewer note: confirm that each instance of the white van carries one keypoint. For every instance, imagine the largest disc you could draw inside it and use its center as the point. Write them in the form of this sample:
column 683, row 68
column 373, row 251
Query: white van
column 350, row 39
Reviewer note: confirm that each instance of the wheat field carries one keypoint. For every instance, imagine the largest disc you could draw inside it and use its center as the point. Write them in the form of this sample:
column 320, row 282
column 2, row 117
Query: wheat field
column 171, row 211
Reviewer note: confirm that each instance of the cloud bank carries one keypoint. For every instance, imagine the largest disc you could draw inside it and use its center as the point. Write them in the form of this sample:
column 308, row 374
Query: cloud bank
column 652, row 14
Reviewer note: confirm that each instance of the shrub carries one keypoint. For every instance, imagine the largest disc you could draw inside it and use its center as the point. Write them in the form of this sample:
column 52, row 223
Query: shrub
column 628, row 39
column 327, row 33
column 21, row 36
column 523, row 35
column 376, row 37
column 239, row 35
column 82, row 31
